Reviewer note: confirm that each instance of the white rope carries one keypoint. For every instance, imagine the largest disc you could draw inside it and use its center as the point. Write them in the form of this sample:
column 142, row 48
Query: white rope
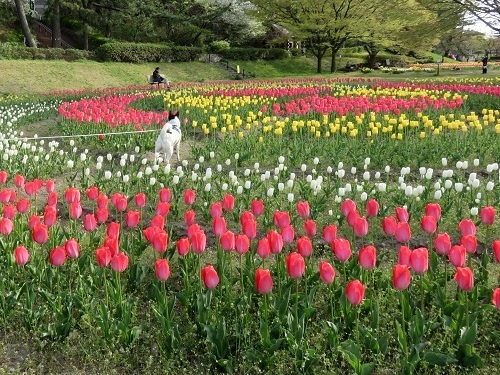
column 81, row 135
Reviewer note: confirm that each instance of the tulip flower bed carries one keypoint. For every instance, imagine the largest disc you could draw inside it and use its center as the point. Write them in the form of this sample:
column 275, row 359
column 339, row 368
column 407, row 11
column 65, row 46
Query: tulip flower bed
column 315, row 226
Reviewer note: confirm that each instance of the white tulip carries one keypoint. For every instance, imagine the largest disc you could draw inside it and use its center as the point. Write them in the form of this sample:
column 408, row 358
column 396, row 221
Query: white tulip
column 444, row 162
column 270, row 192
column 438, row 194
column 175, row 180
column 107, row 175
column 474, row 211
column 476, row 162
column 459, row 186
column 290, row 197
column 225, row 186
column 208, row 187
column 364, row 196
column 248, row 184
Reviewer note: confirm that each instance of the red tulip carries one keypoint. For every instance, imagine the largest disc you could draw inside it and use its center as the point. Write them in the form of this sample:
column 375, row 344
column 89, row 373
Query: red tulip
column 246, row 215
column 372, row 207
column 19, row 181
column 342, row 249
column 442, row 243
column 219, row 225
column 419, row 260
column 92, row 193
column 162, row 209
column 275, row 241
column 57, row 256
column 75, row 210
column 210, row 277
column 140, row 199
column 303, row 209
column 457, row 255
column 347, row 206
column 50, row 186
column 326, row 272
column 464, row 278
column 72, row 248
column 360, row 226
column 281, row 219
column 404, row 254
column 30, row 188
column 162, row 269
column 249, row 228
column 496, row 298
column 102, row 215
column 216, row 210
column 158, row 221
column 257, row 207
column 72, row 195
column 3, row 177
column 189, row 196
column 103, row 256
column 119, row 262
column 52, row 199
column 310, row 227
column 5, row 195
column 183, row 246
column 263, row 248
column 389, row 225
column 189, row 217
column 40, row 233
column 227, row 241
column 160, row 241
column 401, row 277
column 113, row 229
column 487, row 215
column 9, row 211
column 403, row 232
column 50, row 216
column 23, row 205
column 192, row 229
column 150, row 233
column 132, row 218
column 469, row 242
column 367, row 257
column 241, row 244
column 199, row 242
column 228, row 202
column 295, row 265
column 112, row 243
column 496, row 250
column 89, row 222
column 6, row 226
column 165, row 195
column 263, row 281
column 288, row 234
column 402, row 214
column 467, row 226
column 304, row 246
column 429, row 224
column 352, row 216
column 330, row 233
column 21, row 255
column 33, row 220
column 355, row 292
column 102, row 201
column 434, row 210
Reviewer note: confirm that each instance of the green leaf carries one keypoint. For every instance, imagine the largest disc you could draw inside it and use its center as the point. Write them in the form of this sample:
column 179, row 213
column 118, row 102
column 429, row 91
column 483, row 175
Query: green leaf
column 367, row 368
column 401, row 338
column 439, row 359
column 375, row 315
column 468, row 335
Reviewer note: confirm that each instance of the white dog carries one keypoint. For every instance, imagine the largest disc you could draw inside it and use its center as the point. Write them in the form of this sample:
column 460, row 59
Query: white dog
column 169, row 137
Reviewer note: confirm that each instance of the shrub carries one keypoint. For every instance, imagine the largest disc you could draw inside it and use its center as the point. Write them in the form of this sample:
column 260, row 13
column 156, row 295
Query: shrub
column 252, row 54
column 133, row 52
column 218, row 46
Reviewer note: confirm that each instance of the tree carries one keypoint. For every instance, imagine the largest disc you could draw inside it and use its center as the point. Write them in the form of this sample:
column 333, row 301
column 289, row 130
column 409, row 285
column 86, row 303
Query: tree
column 486, row 11
column 30, row 40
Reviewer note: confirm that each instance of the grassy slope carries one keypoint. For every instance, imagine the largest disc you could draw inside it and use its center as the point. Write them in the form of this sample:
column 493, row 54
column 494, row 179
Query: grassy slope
column 46, row 76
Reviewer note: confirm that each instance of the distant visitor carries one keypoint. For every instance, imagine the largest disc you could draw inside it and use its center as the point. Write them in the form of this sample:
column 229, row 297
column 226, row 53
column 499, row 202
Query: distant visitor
column 157, row 78
column 485, row 64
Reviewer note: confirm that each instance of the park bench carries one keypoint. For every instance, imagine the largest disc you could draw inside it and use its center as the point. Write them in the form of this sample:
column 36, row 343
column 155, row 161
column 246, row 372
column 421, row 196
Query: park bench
column 165, row 82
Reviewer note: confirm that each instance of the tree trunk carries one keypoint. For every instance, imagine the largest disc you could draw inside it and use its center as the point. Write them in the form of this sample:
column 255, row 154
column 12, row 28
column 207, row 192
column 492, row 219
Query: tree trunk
column 30, row 40
column 85, row 36
column 333, row 66
column 320, row 59
column 56, row 24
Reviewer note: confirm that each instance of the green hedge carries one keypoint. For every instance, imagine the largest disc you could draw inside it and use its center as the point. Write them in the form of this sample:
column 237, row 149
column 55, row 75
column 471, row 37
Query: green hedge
column 17, row 51
column 145, row 52
column 253, row 54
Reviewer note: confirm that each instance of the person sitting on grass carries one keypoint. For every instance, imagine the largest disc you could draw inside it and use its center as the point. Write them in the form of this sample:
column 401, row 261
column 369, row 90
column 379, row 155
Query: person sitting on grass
column 157, row 78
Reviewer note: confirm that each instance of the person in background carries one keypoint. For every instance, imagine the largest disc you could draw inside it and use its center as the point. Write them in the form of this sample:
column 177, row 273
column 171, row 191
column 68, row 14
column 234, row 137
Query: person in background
column 485, row 64
column 157, row 78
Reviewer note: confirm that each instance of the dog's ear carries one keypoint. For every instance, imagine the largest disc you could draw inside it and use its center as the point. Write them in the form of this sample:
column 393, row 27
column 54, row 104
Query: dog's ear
column 176, row 113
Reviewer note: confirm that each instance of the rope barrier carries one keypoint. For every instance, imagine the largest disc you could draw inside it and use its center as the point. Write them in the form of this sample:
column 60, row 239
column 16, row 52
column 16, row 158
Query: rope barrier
column 81, row 135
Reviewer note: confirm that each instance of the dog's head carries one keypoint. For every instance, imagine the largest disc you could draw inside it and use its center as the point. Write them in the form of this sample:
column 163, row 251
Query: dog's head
column 173, row 115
